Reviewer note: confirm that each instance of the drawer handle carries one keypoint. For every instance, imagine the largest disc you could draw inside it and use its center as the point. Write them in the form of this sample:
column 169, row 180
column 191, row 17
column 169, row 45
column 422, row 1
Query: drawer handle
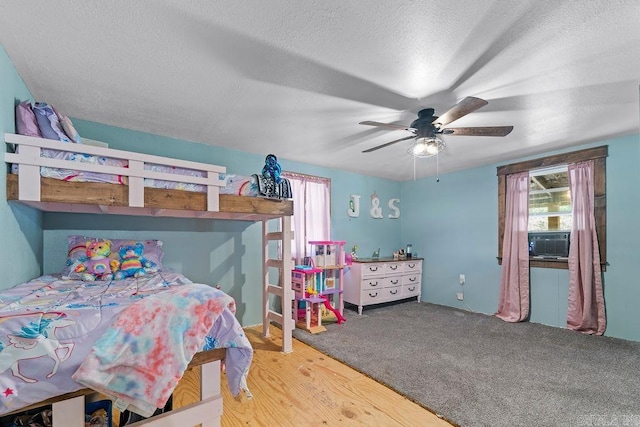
column 412, row 266
column 393, row 267
column 373, row 283
column 373, row 295
column 393, row 292
column 394, row 282
column 373, row 269
column 412, row 289
column 413, row 279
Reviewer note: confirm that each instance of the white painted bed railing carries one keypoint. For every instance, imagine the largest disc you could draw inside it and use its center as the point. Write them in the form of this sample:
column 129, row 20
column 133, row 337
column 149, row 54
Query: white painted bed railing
column 29, row 162
column 207, row 412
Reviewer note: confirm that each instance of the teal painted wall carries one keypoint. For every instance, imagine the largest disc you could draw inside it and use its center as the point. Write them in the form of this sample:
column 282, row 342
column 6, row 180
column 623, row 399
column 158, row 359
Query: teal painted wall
column 220, row 252
column 21, row 249
column 453, row 224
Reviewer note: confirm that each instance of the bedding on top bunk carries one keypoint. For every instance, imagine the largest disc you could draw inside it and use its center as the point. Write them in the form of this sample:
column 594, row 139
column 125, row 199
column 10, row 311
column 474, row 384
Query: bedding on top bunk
column 234, row 184
column 131, row 339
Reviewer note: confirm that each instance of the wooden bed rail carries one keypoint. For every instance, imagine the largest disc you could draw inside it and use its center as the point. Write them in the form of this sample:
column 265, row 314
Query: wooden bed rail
column 29, row 161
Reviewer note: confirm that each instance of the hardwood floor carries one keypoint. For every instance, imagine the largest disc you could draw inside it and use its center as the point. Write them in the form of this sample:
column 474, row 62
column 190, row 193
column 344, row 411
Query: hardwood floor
column 308, row 388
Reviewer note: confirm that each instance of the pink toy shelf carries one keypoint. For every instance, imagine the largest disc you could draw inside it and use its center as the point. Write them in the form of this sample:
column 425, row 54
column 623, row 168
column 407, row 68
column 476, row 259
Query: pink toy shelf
column 318, row 286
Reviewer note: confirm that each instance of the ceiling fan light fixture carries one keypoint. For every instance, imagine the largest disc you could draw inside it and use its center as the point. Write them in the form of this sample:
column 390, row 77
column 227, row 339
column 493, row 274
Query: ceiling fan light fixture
column 425, row 147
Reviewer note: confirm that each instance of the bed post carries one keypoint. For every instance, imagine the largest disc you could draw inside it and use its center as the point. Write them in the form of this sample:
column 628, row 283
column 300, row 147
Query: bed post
column 29, row 176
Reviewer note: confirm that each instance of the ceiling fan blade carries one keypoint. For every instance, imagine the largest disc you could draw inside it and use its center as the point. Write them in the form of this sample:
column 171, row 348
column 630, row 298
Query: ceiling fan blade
column 479, row 131
column 462, row 108
column 388, row 144
column 387, row 125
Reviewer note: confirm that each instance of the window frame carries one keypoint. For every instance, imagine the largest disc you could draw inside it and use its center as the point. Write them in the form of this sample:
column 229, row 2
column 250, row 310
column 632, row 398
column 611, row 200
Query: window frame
column 598, row 155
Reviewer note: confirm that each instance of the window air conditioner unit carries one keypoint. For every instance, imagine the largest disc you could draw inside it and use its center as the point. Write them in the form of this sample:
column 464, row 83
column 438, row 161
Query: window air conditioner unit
column 549, row 244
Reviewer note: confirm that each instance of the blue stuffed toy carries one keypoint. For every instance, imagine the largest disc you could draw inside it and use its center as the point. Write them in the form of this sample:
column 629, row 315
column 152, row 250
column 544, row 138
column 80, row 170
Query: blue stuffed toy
column 270, row 183
column 132, row 263
column 272, row 169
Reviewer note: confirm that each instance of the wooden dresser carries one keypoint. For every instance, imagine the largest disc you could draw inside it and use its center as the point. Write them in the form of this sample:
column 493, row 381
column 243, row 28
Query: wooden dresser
column 374, row 281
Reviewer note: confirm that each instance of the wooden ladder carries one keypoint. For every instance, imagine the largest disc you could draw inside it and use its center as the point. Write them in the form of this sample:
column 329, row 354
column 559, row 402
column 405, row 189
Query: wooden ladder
column 282, row 290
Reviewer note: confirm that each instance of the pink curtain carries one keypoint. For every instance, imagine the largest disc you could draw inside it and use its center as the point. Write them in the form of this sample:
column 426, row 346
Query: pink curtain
column 311, row 213
column 586, row 311
column 514, row 282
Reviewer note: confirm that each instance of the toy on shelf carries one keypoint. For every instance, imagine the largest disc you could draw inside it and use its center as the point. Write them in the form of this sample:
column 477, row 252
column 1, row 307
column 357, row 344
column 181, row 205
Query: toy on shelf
column 270, row 184
column 318, row 286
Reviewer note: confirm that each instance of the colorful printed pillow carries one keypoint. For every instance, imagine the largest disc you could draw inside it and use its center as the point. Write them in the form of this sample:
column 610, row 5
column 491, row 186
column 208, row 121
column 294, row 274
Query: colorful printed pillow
column 48, row 122
column 77, row 251
column 26, row 123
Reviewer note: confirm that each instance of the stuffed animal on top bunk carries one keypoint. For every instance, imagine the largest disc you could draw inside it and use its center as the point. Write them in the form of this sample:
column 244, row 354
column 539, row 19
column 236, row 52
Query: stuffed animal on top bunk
column 132, row 262
column 97, row 265
column 270, row 183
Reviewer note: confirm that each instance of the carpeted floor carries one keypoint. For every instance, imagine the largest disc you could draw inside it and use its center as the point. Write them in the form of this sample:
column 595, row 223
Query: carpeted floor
column 476, row 370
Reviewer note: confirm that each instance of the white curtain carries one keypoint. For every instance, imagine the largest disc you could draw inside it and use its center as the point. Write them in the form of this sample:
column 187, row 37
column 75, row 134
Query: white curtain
column 586, row 312
column 513, row 305
column 311, row 211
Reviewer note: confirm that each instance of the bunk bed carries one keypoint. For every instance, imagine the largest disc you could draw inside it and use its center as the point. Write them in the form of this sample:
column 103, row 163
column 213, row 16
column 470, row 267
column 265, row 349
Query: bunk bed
column 134, row 194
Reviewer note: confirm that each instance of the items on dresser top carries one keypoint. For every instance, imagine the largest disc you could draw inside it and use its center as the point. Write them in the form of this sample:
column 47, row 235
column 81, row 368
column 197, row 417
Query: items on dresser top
column 373, row 281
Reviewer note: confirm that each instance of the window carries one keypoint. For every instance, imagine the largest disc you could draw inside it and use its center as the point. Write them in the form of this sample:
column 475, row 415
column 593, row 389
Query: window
column 311, row 211
column 550, row 199
column 554, row 207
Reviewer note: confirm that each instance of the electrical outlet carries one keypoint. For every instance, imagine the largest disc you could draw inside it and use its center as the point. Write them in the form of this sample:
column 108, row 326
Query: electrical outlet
column 462, row 279
column 460, row 296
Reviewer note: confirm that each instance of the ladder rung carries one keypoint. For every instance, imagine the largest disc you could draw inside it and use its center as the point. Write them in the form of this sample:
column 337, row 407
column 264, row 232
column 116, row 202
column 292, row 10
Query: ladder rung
column 275, row 290
column 275, row 235
column 275, row 317
column 277, row 263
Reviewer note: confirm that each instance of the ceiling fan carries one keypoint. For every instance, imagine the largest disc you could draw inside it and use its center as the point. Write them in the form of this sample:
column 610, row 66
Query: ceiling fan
column 427, row 128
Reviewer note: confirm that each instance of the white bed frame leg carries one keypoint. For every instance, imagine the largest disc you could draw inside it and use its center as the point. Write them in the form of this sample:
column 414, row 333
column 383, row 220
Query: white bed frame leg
column 210, row 387
column 68, row 413
column 207, row 412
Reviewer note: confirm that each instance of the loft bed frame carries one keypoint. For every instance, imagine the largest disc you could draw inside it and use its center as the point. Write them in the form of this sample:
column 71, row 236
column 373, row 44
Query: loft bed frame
column 53, row 195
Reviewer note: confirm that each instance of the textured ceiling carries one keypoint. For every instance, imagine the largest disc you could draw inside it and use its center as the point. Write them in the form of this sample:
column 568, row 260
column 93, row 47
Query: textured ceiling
column 294, row 78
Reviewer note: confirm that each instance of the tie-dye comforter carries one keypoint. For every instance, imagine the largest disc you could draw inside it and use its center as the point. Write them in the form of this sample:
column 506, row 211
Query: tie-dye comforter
column 131, row 339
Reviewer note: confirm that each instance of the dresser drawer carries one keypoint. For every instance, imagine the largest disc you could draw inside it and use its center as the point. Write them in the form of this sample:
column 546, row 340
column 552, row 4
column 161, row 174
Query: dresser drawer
column 391, row 294
column 373, row 296
column 411, row 290
column 370, row 270
column 389, row 282
column 373, row 283
column 411, row 279
column 409, row 266
column 391, row 268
